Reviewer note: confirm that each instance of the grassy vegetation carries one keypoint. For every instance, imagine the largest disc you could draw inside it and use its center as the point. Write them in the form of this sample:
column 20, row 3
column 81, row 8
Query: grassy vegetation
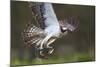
column 55, row 59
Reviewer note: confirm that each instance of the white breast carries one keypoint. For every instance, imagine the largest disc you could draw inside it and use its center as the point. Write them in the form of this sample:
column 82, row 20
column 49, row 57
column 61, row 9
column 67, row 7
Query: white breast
column 53, row 30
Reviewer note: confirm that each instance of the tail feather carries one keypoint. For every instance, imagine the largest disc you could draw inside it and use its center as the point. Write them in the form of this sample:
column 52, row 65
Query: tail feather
column 33, row 34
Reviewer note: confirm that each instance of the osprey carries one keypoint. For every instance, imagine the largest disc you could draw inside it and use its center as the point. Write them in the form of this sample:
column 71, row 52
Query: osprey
column 49, row 28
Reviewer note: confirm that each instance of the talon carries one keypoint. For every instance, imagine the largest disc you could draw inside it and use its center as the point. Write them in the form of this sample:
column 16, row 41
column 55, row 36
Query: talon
column 51, row 51
column 50, row 42
column 41, row 53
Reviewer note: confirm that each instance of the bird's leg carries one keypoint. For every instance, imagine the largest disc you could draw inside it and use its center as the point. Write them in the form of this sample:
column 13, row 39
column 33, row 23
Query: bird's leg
column 44, row 42
column 50, row 42
column 48, row 45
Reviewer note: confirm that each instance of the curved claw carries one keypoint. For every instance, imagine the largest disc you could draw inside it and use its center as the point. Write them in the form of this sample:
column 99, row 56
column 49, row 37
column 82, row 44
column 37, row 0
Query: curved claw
column 46, row 52
column 51, row 51
column 44, row 41
column 50, row 42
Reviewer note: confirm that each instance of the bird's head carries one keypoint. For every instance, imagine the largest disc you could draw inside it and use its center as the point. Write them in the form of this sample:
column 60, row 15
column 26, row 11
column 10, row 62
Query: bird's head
column 68, row 24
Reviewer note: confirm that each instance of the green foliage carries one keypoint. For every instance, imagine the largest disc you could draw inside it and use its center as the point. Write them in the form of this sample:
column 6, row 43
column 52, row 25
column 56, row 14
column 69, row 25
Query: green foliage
column 77, row 57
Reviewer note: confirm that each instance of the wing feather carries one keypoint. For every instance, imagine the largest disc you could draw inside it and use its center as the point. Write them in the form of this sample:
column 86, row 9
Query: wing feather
column 33, row 34
column 37, row 12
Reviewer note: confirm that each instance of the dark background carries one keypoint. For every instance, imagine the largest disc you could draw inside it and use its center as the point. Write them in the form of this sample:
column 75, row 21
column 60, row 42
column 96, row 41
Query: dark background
column 76, row 46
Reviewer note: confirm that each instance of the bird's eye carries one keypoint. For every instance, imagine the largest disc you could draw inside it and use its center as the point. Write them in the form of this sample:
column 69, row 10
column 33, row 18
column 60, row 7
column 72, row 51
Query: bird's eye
column 63, row 29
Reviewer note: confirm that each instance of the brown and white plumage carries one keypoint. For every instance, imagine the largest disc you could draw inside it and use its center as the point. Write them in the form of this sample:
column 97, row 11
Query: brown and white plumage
column 48, row 29
column 32, row 34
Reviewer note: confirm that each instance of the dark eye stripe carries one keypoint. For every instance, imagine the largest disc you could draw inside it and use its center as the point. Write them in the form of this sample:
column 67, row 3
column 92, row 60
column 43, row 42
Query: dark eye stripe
column 62, row 30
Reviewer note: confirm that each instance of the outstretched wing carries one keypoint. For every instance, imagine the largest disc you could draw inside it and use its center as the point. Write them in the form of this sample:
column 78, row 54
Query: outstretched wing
column 37, row 12
column 44, row 14
column 32, row 34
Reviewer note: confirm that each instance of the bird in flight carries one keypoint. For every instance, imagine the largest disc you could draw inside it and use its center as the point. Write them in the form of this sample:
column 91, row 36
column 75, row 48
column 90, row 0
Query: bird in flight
column 48, row 28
